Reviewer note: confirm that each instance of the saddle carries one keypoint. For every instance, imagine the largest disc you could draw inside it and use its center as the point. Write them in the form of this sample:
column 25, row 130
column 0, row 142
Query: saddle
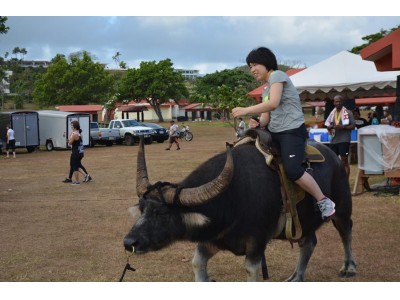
column 291, row 192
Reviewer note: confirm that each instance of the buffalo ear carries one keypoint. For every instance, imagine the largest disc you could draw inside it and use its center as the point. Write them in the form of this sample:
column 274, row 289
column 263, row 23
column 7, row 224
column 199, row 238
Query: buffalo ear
column 195, row 220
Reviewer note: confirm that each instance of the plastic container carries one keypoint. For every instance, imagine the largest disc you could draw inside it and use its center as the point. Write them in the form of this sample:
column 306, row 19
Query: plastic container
column 325, row 137
column 354, row 135
column 319, row 134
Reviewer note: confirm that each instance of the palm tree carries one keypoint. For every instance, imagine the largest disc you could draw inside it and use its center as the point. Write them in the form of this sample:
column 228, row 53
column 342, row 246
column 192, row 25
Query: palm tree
column 23, row 52
column 116, row 58
column 15, row 51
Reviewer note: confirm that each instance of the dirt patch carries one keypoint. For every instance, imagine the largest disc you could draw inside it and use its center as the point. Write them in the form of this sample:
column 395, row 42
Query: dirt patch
column 52, row 231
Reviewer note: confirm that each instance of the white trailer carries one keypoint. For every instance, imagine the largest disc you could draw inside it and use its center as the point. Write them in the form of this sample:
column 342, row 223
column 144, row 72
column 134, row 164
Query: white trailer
column 26, row 129
column 55, row 128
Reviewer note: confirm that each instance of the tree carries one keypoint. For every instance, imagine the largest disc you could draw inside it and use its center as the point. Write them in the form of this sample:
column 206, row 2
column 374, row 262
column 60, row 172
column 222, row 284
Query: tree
column 122, row 65
column 154, row 82
column 23, row 52
column 116, row 58
column 371, row 38
column 3, row 28
column 224, row 89
column 78, row 81
column 15, row 51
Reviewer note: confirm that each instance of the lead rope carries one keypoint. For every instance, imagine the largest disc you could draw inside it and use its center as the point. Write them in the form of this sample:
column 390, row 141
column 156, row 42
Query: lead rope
column 127, row 266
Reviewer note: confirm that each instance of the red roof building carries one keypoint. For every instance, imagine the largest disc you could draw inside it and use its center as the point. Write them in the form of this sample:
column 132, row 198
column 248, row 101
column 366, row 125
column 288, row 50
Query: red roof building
column 93, row 110
column 90, row 109
column 385, row 53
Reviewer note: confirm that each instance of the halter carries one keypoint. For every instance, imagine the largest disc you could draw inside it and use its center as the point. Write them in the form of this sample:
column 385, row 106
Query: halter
column 159, row 185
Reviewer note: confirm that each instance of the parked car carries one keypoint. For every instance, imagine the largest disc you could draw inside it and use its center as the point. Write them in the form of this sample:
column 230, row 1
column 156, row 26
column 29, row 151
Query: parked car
column 160, row 133
column 130, row 131
column 102, row 136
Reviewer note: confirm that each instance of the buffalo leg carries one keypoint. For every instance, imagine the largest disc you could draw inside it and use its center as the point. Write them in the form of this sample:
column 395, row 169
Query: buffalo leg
column 307, row 245
column 344, row 227
column 203, row 253
column 253, row 268
column 264, row 268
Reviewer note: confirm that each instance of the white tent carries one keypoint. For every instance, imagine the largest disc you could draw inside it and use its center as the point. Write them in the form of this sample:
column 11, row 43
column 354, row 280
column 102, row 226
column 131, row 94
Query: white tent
column 343, row 72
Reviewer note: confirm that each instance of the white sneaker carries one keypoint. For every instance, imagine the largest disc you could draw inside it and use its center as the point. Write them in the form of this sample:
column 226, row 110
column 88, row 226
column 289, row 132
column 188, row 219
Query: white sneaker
column 327, row 207
column 87, row 178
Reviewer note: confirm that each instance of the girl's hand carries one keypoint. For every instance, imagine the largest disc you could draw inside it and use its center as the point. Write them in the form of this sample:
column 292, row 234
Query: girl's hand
column 238, row 111
column 253, row 123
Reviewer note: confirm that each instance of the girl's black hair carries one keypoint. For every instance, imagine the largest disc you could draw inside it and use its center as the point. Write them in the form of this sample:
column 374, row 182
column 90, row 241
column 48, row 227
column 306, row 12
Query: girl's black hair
column 262, row 56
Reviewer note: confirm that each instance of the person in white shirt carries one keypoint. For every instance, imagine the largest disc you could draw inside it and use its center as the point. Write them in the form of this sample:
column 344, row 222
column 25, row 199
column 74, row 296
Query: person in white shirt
column 10, row 141
column 173, row 136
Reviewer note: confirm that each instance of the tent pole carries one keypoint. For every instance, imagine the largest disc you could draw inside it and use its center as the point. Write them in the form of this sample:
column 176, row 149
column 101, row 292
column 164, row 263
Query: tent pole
column 396, row 112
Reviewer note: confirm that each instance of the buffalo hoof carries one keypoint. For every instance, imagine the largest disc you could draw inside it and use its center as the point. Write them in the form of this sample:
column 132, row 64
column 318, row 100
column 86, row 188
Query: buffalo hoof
column 348, row 271
column 295, row 278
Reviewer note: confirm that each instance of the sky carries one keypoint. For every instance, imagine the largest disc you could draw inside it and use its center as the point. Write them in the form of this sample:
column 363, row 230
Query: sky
column 203, row 42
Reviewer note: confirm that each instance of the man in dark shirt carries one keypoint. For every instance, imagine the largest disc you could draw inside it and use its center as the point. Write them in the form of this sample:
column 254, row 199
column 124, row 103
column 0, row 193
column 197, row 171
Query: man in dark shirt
column 358, row 121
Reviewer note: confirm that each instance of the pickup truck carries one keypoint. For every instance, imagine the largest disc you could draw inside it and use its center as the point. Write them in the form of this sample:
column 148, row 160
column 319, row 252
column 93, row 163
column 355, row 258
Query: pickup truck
column 130, row 131
column 102, row 136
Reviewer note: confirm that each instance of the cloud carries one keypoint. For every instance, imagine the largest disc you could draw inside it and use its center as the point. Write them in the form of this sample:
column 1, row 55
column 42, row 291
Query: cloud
column 204, row 43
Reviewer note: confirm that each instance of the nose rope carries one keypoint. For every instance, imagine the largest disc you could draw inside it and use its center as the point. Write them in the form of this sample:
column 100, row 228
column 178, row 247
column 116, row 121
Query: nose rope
column 127, row 266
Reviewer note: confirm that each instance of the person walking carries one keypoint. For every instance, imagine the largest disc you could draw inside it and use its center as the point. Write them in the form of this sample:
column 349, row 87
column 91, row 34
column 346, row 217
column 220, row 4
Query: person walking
column 76, row 160
column 282, row 113
column 10, row 141
column 75, row 140
column 82, row 169
column 173, row 136
column 340, row 123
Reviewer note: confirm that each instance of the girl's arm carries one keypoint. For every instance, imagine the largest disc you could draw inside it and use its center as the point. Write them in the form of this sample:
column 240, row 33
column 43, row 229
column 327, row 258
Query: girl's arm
column 275, row 98
column 72, row 138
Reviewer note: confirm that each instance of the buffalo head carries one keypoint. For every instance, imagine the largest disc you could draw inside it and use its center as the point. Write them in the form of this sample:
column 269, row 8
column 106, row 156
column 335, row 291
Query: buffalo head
column 166, row 211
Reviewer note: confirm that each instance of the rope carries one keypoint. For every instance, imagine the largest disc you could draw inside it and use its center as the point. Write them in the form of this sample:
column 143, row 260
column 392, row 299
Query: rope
column 127, row 266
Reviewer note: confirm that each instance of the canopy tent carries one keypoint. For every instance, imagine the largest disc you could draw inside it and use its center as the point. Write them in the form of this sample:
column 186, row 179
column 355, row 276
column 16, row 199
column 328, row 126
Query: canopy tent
column 346, row 73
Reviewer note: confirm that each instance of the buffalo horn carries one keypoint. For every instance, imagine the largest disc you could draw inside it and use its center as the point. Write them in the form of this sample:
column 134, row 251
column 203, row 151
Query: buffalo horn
column 201, row 194
column 142, row 179
column 188, row 196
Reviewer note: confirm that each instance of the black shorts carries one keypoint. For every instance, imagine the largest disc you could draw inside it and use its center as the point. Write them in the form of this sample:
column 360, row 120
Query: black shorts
column 11, row 144
column 341, row 149
column 292, row 144
column 75, row 162
column 173, row 139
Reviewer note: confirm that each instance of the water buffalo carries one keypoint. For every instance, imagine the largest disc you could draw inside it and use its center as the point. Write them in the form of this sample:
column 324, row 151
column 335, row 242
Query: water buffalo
column 233, row 202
